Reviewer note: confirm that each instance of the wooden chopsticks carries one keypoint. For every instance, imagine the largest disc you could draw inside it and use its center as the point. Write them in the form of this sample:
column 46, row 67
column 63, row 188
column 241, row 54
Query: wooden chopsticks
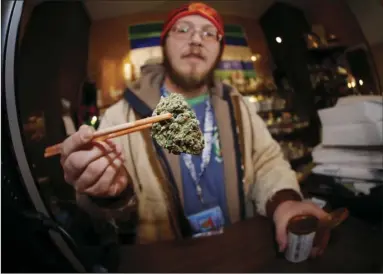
column 115, row 131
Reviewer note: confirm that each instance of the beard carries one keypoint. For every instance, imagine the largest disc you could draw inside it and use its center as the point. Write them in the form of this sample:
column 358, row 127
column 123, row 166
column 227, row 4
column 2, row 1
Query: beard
column 192, row 80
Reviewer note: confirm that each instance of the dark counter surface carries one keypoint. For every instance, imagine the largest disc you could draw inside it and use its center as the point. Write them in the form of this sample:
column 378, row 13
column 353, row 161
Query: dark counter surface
column 354, row 247
column 249, row 246
column 243, row 247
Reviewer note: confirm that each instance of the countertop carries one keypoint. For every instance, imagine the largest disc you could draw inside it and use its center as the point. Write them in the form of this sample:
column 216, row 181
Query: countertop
column 249, row 246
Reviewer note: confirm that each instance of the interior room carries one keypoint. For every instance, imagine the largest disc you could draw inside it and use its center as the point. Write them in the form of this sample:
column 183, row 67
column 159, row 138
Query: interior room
column 307, row 74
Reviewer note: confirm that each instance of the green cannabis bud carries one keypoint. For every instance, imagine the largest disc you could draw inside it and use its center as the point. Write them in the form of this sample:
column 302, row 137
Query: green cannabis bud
column 181, row 133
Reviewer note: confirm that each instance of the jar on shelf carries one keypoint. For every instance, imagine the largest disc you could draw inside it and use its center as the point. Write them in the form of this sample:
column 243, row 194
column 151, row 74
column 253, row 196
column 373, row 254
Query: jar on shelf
column 269, row 103
column 296, row 122
column 285, row 149
column 279, row 103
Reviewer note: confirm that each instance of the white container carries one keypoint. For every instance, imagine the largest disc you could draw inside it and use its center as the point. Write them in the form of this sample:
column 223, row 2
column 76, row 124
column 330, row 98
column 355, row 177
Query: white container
column 299, row 247
column 301, row 234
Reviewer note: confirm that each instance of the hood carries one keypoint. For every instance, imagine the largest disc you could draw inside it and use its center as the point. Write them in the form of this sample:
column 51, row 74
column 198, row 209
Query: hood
column 147, row 87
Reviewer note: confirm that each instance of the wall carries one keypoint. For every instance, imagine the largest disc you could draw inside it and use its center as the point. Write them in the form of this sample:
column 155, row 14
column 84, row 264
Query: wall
column 109, row 46
column 370, row 16
column 377, row 53
column 336, row 18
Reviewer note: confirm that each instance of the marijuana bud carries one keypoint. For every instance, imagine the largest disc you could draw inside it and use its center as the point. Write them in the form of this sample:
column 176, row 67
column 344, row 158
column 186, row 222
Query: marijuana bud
column 181, row 133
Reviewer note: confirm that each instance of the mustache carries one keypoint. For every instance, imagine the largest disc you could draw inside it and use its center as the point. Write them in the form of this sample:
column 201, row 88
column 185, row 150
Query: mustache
column 195, row 55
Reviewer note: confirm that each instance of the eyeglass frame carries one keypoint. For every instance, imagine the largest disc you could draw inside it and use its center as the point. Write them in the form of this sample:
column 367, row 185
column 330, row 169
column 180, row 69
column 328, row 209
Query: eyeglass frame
column 218, row 37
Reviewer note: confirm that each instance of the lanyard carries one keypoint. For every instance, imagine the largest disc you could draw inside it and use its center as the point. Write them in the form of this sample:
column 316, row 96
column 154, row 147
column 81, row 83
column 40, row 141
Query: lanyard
column 206, row 153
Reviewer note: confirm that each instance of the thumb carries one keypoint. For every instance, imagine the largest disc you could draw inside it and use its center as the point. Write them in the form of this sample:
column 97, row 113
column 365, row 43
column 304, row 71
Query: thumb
column 86, row 132
column 78, row 139
column 316, row 211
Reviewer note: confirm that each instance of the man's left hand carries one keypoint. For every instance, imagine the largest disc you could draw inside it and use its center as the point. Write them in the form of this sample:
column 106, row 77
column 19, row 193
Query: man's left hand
column 289, row 209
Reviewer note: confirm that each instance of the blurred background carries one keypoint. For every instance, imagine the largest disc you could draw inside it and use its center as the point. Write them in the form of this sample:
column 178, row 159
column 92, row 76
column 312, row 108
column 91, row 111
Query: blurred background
column 290, row 58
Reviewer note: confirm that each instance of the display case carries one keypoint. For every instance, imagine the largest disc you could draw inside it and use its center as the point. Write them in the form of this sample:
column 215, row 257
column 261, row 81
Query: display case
column 287, row 127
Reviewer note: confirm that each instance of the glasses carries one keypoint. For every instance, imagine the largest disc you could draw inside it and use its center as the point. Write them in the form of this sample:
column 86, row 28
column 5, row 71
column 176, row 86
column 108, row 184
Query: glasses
column 185, row 31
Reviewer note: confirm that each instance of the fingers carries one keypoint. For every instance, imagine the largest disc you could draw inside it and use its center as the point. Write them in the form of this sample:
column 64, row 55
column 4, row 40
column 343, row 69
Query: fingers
column 314, row 210
column 78, row 139
column 291, row 210
column 103, row 186
column 119, row 184
column 95, row 170
column 321, row 241
column 307, row 208
column 78, row 161
column 314, row 252
column 281, row 234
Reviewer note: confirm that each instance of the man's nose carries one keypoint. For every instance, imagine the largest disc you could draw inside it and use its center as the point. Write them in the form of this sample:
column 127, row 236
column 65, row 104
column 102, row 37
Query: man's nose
column 196, row 38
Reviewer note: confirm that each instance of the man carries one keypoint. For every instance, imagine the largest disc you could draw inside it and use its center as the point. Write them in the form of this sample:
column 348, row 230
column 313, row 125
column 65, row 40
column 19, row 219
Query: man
column 241, row 170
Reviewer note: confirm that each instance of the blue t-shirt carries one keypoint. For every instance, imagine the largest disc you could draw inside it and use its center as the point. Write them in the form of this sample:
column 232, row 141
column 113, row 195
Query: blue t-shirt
column 212, row 180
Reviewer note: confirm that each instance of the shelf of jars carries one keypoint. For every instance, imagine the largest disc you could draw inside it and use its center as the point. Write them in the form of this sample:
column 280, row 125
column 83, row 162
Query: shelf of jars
column 278, row 116
column 330, row 76
column 295, row 151
column 286, row 123
column 303, row 171
column 286, row 127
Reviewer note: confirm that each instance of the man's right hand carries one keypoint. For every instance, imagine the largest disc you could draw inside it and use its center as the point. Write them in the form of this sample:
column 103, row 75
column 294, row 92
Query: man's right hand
column 93, row 168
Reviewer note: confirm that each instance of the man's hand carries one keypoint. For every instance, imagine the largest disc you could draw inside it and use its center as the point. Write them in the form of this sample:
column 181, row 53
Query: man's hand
column 93, row 168
column 289, row 209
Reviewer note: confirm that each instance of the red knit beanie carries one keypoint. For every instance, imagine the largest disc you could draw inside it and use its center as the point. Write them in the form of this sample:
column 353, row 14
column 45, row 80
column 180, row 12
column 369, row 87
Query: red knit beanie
column 190, row 9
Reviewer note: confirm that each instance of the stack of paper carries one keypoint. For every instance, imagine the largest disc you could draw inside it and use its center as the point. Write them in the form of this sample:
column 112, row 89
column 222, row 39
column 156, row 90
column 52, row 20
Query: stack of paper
column 353, row 123
column 355, row 157
column 352, row 141
column 345, row 171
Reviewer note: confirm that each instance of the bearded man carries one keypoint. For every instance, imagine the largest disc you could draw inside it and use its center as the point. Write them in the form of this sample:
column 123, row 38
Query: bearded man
column 241, row 171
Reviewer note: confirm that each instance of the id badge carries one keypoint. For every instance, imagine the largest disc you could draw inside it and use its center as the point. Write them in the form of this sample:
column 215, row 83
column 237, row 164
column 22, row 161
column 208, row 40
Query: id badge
column 207, row 222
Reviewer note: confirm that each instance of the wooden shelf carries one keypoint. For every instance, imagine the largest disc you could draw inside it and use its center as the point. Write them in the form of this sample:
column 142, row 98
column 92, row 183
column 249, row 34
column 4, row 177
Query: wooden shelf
column 326, row 52
column 264, row 112
column 257, row 92
column 289, row 135
column 303, row 171
column 329, row 49
column 301, row 160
